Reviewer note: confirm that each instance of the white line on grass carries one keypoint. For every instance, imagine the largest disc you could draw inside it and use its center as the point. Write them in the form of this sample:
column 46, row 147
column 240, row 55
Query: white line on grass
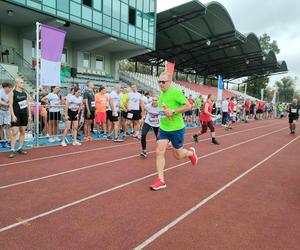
column 123, row 185
column 207, row 199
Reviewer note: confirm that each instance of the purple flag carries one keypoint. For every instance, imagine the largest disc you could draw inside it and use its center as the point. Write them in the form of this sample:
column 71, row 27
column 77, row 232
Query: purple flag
column 52, row 44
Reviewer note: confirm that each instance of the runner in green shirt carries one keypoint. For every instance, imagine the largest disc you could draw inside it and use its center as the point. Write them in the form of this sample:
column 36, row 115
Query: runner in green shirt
column 172, row 104
column 198, row 104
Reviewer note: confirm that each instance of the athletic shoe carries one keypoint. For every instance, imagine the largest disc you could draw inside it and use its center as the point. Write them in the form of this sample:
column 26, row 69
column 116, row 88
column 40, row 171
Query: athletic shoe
column 214, row 141
column 90, row 138
column 56, row 138
column 193, row 158
column 158, row 185
column 21, row 151
column 195, row 138
column 12, row 154
column 118, row 140
column 143, row 154
column 63, row 143
column 105, row 136
column 51, row 140
column 109, row 137
column 76, row 143
column 86, row 138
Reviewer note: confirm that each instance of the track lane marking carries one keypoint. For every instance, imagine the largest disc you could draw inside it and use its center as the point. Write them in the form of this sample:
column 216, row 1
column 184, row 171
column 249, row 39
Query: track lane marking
column 103, row 163
column 102, row 148
column 3, row 229
column 207, row 199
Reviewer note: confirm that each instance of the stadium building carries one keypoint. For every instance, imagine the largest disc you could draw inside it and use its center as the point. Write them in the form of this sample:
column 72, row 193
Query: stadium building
column 99, row 34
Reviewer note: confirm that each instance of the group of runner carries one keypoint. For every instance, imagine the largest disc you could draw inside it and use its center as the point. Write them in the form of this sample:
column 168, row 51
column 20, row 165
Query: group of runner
column 116, row 112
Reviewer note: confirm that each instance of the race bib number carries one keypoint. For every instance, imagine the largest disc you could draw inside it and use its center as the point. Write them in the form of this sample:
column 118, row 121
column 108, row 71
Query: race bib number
column 294, row 111
column 154, row 120
column 73, row 107
column 129, row 115
column 23, row 104
column 93, row 104
column 103, row 101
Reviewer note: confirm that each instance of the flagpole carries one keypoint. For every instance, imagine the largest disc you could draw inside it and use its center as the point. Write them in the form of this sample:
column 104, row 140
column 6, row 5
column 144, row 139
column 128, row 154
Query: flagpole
column 37, row 70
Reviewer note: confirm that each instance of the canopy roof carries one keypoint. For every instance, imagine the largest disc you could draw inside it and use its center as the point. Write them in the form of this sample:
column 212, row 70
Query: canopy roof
column 203, row 40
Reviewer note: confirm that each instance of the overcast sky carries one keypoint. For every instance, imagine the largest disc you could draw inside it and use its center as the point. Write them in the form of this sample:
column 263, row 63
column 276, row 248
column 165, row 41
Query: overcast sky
column 278, row 18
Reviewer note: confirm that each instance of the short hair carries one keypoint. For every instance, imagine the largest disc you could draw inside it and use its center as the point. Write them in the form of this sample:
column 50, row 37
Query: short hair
column 208, row 96
column 6, row 85
column 101, row 88
column 75, row 89
column 167, row 74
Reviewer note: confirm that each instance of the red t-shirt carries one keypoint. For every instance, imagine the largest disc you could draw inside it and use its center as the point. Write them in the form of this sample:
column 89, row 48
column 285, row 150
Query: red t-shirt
column 261, row 105
column 247, row 106
column 230, row 107
column 206, row 117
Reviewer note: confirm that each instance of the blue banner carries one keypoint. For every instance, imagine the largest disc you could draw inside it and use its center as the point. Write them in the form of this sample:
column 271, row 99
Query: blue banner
column 220, row 88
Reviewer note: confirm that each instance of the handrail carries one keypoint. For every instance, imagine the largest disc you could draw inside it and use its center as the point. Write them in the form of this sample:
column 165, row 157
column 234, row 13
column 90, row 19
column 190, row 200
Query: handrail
column 10, row 77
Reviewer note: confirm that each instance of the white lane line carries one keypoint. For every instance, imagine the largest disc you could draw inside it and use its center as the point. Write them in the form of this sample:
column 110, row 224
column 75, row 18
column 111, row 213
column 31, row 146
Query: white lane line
column 123, row 185
column 101, row 164
column 95, row 149
column 204, row 201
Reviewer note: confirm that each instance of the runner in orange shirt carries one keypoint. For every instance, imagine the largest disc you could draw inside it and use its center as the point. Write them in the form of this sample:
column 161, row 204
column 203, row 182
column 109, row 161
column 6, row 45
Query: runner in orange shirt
column 101, row 101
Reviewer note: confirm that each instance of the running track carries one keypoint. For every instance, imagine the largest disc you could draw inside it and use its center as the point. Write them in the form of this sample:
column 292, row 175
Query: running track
column 243, row 194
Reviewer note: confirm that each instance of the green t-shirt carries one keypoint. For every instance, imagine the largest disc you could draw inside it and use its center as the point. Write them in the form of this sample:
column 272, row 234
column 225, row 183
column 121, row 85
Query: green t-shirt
column 197, row 103
column 173, row 99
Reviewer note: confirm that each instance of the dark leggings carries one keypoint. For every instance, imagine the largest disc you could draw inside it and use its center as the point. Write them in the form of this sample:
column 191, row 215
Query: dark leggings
column 145, row 130
column 206, row 125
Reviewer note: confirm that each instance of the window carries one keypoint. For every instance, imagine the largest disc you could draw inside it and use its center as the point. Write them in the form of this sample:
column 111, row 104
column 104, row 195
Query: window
column 124, row 12
column 63, row 6
column 116, row 9
column 139, row 19
column 98, row 5
column 75, row 9
column 87, row 2
column 132, row 16
column 64, row 56
column 107, row 7
column 86, row 60
column 99, row 63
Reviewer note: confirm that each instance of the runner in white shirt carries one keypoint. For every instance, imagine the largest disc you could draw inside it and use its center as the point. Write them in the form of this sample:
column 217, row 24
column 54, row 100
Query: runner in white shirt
column 72, row 110
column 135, row 109
column 54, row 115
column 113, row 113
column 5, row 116
column 151, row 121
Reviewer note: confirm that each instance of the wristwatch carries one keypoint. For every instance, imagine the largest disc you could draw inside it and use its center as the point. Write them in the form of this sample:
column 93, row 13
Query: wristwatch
column 173, row 112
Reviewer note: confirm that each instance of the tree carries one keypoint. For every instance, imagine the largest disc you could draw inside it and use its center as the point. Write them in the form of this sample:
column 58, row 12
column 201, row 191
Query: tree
column 255, row 83
column 286, row 89
column 266, row 44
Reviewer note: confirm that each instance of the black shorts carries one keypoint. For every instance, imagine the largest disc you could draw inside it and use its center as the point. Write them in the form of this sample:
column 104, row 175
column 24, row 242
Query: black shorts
column 189, row 113
column 292, row 118
column 259, row 111
column 73, row 115
column 53, row 116
column 91, row 117
column 110, row 117
column 134, row 115
column 124, row 114
column 247, row 112
column 22, row 120
column 197, row 113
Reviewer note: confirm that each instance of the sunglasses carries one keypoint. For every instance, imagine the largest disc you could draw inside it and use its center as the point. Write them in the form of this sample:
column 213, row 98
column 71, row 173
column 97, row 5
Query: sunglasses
column 163, row 82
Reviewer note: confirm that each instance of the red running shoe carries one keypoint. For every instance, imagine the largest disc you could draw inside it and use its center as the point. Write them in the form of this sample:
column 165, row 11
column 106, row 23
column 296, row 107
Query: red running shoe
column 158, row 185
column 193, row 158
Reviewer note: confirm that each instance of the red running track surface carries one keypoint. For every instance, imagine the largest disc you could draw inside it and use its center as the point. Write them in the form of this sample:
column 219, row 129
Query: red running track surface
column 109, row 206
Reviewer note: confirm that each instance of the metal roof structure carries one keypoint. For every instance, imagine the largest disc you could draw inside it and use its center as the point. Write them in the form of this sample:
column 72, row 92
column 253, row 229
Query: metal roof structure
column 202, row 39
